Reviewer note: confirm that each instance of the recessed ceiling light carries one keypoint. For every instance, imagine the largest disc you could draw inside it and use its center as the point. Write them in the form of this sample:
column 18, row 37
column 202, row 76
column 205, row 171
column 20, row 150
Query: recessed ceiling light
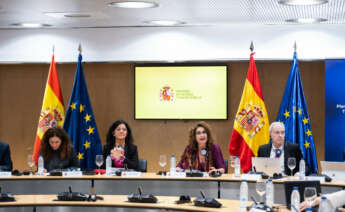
column 67, row 15
column 31, row 25
column 133, row 4
column 306, row 20
column 165, row 22
column 302, row 2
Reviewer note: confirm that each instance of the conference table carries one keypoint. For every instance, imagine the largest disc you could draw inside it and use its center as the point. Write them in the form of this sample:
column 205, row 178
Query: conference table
column 225, row 187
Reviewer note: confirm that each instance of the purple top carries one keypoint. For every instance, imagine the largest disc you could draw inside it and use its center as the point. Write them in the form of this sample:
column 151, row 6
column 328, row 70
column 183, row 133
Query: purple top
column 215, row 158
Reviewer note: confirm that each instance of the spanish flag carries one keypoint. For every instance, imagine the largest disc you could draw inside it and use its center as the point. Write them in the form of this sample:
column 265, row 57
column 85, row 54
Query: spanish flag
column 53, row 111
column 251, row 122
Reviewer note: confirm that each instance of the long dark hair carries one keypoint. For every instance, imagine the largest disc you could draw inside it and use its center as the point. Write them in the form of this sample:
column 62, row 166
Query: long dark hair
column 194, row 144
column 111, row 138
column 65, row 148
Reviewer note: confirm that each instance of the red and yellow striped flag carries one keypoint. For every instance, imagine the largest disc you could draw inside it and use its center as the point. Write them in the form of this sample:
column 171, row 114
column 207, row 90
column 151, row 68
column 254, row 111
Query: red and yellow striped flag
column 53, row 111
column 251, row 122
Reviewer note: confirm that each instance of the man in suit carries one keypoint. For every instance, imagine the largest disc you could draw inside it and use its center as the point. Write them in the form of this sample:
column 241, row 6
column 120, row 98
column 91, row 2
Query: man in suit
column 281, row 149
column 5, row 157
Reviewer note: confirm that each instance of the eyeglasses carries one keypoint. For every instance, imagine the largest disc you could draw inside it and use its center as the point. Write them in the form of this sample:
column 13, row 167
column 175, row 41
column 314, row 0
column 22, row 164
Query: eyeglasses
column 200, row 132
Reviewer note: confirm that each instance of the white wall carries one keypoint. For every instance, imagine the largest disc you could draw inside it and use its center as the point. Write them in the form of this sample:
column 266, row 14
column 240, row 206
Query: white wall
column 157, row 44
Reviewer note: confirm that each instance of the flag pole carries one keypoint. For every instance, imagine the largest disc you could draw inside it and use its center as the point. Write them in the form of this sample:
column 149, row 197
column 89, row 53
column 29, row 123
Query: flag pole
column 295, row 46
column 251, row 47
column 79, row 48
column 53, row 49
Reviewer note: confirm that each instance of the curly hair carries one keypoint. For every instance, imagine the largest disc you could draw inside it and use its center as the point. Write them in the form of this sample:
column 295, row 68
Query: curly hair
column 65, row 148
column 194, row 144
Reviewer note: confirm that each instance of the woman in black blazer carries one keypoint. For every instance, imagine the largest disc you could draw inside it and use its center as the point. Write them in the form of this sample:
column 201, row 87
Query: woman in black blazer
column 120, row 146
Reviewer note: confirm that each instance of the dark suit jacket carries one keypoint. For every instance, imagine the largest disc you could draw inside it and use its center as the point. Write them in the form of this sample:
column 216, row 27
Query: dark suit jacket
column 5, row 157
column 56, row 163
column 290, row 150
column 131, row 154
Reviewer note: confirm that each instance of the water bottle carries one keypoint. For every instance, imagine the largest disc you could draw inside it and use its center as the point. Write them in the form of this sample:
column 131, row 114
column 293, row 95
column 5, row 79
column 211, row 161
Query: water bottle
column 172, row 165
column 295, row 200
column 243, row 195
column 108, row 165
column 269, row 193
column 301, row 169
column 237, row 167
column 40, row 167
column 324, row 205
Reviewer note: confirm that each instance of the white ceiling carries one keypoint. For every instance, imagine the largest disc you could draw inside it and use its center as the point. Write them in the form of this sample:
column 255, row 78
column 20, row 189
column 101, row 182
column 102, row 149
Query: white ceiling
column 193, row 12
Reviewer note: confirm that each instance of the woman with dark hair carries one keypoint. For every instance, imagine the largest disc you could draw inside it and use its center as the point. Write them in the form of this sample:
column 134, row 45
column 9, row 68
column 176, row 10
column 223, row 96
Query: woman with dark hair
column 57, row 150
column 120, row 146
column 201, row 153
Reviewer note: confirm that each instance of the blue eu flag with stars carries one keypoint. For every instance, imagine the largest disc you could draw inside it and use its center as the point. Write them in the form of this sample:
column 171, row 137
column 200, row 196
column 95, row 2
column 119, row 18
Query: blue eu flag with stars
column 80, row 122
column 294, row 114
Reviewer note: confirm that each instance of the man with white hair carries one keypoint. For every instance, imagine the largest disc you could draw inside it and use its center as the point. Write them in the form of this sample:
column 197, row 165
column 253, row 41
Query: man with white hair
column 281, row 149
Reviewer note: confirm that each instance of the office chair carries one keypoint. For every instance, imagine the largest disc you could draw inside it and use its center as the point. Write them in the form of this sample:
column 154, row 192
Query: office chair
column 226, row 166
column 142, row 165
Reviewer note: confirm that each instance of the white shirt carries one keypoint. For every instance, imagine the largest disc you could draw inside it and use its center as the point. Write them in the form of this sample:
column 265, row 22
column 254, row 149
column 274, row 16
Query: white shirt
column 281, row 158
column 337, row 199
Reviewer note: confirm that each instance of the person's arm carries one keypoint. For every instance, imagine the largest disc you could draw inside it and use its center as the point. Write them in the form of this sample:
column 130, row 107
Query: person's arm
column 6, row 162
column 184, row 161
column 337, row 199
column 132, row 159
column 218, row 157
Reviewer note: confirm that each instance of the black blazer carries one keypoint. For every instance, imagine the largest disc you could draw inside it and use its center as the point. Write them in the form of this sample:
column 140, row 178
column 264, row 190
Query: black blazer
column 290, row 150
column 5, row 157
column 131, row 154
column 56, row 163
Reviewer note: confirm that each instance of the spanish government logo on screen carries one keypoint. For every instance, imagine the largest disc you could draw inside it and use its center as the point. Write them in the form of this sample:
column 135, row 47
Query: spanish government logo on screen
column 167, row 94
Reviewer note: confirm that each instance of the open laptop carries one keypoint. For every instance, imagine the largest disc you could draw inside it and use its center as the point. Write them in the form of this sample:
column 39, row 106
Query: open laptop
column 267, row 165
column 335, row 170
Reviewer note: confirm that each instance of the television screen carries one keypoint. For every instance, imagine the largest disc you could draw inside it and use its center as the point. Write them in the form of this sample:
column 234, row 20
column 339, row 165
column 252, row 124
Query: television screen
column 181, row 92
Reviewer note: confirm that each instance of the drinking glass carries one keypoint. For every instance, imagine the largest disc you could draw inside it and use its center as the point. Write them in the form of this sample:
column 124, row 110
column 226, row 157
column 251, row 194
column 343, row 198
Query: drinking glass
column 99, row 162
column 261, row 188
column 310, row 195
column 163, row 161
column 232, row 161
column 30, row 162
column 292, row 164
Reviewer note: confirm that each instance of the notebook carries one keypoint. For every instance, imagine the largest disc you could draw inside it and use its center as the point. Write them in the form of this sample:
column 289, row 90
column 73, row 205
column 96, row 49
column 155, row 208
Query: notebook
column 267, row 165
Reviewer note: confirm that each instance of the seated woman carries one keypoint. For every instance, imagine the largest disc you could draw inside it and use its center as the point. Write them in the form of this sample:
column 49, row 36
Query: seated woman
column 57, row 150
column 201, row 153
column 120, row 146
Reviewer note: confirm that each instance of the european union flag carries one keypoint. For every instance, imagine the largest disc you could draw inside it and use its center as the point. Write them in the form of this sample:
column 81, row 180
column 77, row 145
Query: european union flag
column 294, row 114
column 80, row 122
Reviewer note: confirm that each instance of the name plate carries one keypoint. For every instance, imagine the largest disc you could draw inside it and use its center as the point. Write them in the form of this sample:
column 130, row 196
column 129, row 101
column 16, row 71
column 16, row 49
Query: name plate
column 5, row 174
column 176, row 174
column 319, row 178
column 130, row 174
column 72, row 174
column 254, row 177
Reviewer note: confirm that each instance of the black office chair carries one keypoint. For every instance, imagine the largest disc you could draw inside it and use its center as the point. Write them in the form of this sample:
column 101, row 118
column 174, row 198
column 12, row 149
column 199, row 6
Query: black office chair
column 288, row 185
column 142, row 165
column 226, row 166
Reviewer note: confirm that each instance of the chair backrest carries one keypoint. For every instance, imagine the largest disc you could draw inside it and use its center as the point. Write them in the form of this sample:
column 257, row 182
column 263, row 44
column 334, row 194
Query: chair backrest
column 226, row 166
column 142, row 165
column 301, row 186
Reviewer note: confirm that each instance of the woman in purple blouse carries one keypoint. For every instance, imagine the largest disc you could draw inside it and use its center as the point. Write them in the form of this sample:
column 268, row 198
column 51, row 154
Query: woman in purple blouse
column 201, row 153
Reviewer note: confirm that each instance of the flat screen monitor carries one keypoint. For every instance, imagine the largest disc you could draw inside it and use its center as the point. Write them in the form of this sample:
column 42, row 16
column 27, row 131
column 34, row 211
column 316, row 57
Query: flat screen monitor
column 181, row 92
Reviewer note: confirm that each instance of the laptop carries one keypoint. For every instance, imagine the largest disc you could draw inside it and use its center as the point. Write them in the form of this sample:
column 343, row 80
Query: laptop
column 288, row 185
column 266, row 165
column 335, row 170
